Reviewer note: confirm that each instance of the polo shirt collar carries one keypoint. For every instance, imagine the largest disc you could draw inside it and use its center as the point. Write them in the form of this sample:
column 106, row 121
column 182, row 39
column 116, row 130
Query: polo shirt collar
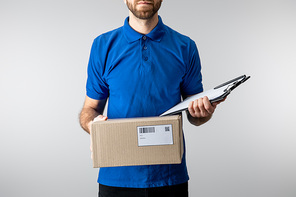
column 155, row 35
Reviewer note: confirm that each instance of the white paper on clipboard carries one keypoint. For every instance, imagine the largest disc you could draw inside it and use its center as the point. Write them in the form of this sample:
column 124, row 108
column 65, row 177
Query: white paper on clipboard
column 215, row 94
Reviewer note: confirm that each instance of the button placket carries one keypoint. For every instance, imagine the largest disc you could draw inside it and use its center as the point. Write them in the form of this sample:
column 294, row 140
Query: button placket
column 145, row 49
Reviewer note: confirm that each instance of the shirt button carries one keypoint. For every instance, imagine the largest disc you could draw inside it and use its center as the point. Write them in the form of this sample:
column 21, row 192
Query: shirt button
column 144, row 37
column 145, row 47
column 146, row 58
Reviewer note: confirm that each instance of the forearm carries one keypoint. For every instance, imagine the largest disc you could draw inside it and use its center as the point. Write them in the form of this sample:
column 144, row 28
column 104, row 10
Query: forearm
column 91, row 109
column 197, row 121
column 86, row 116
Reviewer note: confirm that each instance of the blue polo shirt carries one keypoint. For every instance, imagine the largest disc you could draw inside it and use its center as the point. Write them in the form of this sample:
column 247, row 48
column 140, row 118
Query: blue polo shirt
column 143, row 75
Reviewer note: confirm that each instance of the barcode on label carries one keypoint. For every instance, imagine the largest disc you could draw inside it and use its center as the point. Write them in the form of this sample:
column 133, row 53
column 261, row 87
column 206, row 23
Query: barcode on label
column 147, row 130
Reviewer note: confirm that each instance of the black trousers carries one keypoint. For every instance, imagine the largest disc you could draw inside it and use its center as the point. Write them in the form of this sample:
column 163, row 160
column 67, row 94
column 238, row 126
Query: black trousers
column 180, row 190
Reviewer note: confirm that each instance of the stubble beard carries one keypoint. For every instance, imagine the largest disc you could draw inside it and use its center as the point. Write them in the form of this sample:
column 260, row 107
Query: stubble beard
column 144, row 14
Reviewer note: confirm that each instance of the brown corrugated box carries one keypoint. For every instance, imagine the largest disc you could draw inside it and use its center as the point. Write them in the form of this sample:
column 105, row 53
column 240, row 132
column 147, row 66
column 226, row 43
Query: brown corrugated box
column 137, row 141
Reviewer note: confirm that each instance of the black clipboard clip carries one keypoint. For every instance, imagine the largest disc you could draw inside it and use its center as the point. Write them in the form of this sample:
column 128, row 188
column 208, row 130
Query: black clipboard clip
column 229, row 86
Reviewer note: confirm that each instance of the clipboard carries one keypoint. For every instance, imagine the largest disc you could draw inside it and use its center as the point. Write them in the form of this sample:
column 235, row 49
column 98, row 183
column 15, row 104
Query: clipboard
column 216, row 94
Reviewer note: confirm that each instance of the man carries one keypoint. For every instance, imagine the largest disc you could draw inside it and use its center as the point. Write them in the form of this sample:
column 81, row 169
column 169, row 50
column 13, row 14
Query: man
column 143, row 68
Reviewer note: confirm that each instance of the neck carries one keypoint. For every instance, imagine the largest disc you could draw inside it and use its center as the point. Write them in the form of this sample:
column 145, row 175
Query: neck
column 143, row 26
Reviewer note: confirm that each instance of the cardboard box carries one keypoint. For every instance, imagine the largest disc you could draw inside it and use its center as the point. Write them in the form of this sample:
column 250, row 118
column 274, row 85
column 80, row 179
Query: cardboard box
column 137, row 141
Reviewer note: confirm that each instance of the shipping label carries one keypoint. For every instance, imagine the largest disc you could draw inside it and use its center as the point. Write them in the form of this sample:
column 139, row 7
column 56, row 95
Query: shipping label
column 155, row 135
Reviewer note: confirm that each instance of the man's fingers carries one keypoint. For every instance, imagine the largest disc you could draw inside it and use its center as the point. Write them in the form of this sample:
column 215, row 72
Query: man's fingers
column 196, row 108
column 190, row 108
column 91, row 149
column 201, row 107
column 100, row 118
column 208, row 106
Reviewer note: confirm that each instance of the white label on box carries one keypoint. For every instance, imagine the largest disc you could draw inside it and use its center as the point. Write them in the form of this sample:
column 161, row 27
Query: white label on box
column 155, row 135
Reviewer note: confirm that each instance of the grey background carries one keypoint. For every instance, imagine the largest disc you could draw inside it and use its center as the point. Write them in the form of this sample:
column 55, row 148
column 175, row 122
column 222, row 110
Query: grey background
column 247, row 149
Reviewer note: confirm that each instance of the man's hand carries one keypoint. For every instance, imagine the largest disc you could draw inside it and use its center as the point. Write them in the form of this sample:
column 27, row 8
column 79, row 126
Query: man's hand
column 98, row 118
column 201, row 110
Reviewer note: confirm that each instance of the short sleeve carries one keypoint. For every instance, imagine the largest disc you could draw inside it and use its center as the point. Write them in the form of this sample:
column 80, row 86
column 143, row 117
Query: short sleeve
column 192, row 80
column 96, row 86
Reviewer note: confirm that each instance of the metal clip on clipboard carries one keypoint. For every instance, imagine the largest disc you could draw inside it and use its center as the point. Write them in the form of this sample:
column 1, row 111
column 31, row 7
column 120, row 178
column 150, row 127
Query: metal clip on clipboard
column 216, row 94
